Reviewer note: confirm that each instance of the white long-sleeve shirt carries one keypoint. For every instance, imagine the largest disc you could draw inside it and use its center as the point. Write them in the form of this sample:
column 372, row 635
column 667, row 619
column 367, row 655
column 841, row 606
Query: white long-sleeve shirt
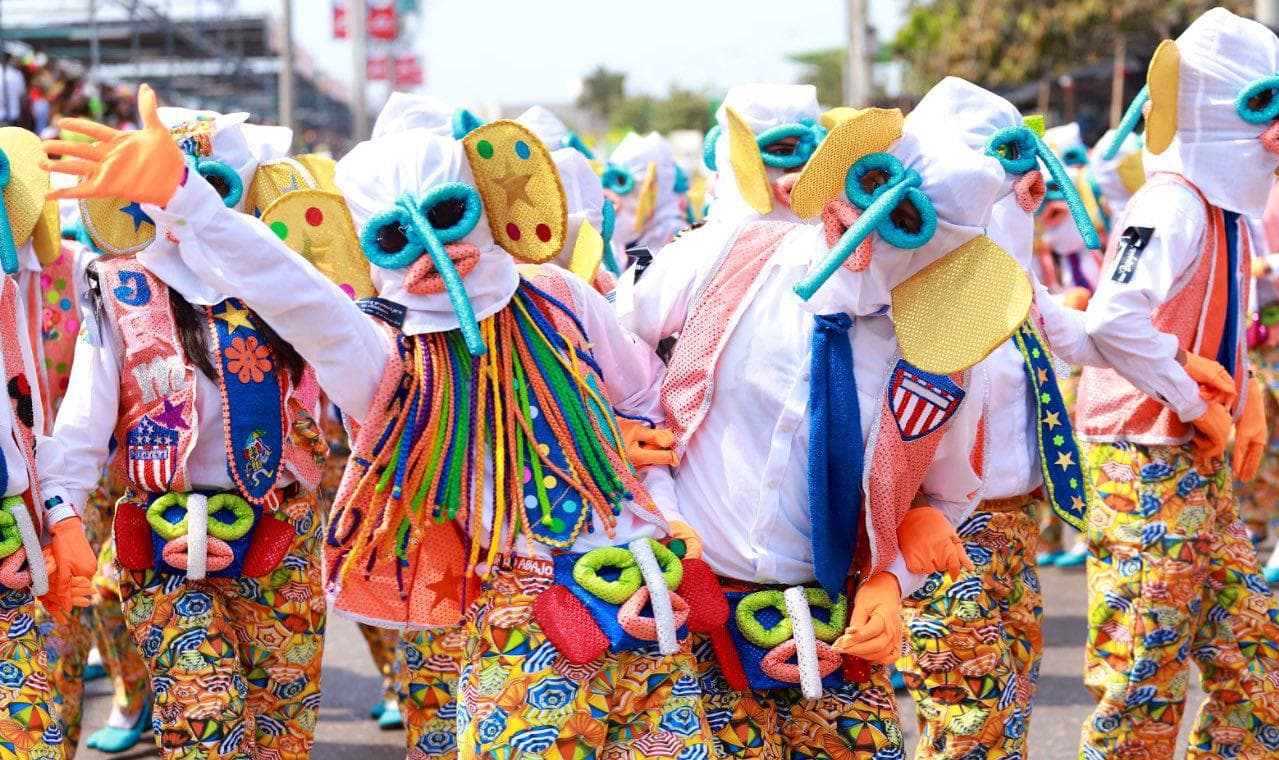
column 1119, row 314
column 235, row 253
column 743, row 478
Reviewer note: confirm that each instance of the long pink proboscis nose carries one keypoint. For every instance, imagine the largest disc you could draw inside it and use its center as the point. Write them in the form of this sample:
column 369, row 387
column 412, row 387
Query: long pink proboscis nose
column 1270, row 138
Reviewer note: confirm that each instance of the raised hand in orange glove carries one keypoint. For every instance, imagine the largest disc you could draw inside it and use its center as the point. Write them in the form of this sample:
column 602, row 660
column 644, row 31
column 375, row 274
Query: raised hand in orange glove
column 143, row 165
column 1215, row 383
column 71, row 553
column 682, row 531
column 646, row 446
column 1251, row 432
column 874, row 631
column 1076, row 298
column 1212, row 432
column 77, row 591
column 929, row 543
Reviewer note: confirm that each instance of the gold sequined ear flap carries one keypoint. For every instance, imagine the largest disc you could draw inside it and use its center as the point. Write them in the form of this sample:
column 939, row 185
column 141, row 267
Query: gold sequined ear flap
column 272, row 180
column 317, row 225
column 646, row 201
column 588, row 253
column 1163, row 80
column 521, row 190
column 117, row 225
column 869, row 131
column 954, row 312
column 838, row 115
column 322, row 169
column 47, row 236
column 1132, row 171
column 24, row 185
column 748, row 164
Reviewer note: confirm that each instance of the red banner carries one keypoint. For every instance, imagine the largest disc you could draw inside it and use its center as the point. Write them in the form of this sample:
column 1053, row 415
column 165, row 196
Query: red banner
column 408, row 70
column 378, row 67
column 384, row 22
column 339, row 20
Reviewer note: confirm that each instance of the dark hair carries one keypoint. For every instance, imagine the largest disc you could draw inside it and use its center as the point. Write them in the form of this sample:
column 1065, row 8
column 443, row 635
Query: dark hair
column 193, row 331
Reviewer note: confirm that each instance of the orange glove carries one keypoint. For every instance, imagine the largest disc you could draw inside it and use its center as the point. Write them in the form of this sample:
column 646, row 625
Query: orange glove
column 1212, row 431
column 929, row 543
column 874, row 630
column 1076, row 298
column 71, row 553
column 1215, row 383
column 62, row 598
column 692, row 542
column 1251, row 433
column 143, row 165
column 647, row 446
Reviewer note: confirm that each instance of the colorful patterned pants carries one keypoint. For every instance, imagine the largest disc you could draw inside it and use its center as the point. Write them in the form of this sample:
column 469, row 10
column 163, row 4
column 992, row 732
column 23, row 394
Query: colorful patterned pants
column 67, row 645
column 1259, row 500
column 521, row 699
column 973, row 644
column 29, row 724
column 130, row 684
column 235, row 663
column 1172, row 576
column 432, row 661
column 383, row 644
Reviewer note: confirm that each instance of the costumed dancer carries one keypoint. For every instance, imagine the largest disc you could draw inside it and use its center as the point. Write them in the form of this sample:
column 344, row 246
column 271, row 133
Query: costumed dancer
column 486, row 435
column 1259, row 500
column 1171, row 573
column 1066, row 261
column 218, row 533
column 641, row 180
column 816, row 536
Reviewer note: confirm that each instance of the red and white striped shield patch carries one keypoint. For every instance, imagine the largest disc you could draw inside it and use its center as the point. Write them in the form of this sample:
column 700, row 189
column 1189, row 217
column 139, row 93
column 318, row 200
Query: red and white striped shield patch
column 152, row 453
column 921, row 402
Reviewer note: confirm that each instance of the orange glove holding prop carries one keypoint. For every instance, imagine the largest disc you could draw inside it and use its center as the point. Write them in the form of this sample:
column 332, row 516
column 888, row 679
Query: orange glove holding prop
column 692, row 542
column 144, row 165
column 1076, row 298
column 1251, row 432
column 928, row 543
column 874, row 631
column 1215, row 383
column 71, row 552
column 646, row 446
column 62, row 599
column 1212, row 432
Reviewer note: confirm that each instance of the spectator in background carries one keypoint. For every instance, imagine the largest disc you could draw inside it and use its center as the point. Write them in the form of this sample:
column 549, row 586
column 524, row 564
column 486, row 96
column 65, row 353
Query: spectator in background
column 12, row 88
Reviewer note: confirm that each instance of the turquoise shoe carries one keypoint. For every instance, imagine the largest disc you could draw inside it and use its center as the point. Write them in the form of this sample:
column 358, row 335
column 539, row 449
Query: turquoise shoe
column 375, row 712
column 112, row 740
column 94, row 672
column 1076, row 557
column 899, row 683
column 1048, row 559
column 391, row 718
column 1272, row 574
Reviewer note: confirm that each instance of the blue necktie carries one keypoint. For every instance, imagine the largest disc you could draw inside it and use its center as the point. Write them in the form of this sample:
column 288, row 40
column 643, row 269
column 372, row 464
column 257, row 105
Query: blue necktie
column 834, row 453
column 1226, row 352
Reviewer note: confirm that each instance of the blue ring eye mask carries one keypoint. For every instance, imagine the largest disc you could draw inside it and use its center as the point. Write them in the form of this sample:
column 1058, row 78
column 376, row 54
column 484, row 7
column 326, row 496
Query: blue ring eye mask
column 618, row 179
column 809, row 135
column 1019, row 149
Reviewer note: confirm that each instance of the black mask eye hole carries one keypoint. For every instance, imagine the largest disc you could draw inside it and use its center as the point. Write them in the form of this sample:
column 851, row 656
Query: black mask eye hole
column 1010, row 150
column 1261, row 100
column 786, row 146
column 219, row 184
column 391, row 238
column 906, row 217
column 873, row 180
column 446, row 213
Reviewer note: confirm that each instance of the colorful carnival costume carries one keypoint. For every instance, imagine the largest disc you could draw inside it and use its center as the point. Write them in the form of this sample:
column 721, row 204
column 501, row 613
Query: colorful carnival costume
column 643, row 182
column 770, row 398
column 1172, row 574
column 486, row 436
column 218, row 533
column 1067, row 260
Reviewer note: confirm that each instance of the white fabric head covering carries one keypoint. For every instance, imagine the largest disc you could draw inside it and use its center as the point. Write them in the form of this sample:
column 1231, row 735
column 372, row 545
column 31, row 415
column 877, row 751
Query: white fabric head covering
column 584, row 197
column 962, row 183
column 634, row 154
column 1063, row 137
column 762, row 107
column 1106, row 171
column 375, row 174
column 547, row 126
column 404, row 111
column 1214, row 148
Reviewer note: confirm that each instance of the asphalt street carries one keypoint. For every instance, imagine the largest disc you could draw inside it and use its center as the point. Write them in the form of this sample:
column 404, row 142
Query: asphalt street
column 351, row 685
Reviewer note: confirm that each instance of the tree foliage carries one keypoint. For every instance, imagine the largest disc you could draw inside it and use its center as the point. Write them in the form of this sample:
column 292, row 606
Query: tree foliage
column 604, row 97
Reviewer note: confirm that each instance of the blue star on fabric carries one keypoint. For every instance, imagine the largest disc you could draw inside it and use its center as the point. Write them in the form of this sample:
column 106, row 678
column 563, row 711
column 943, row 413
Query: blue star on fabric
column 134, row 210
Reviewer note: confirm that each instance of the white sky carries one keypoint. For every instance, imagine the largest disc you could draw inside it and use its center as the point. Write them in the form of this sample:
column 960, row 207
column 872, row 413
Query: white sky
column 482, row 52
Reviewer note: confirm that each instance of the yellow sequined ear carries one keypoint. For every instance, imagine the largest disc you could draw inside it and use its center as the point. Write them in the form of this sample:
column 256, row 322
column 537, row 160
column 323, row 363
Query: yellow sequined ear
column 322, row 169
column 1132, row 171
column 870, row 131
column 1163, row 79
column 748, row 164
column 272, row 180
column 28, row 183
column 521, row 190
column 588, row 253
column 47, row 236
column 317, row 225
column 646, row 201
column 954, row 312
column 838, row 115
column 117, row 225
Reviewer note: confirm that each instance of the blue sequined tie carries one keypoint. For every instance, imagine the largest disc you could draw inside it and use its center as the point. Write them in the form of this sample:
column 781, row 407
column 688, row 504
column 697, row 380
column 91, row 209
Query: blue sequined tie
column 835, row 456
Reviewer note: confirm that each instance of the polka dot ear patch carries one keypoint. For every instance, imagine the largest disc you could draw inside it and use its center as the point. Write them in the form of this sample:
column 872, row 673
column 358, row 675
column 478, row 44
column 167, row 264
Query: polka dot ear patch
column 521, row 190
column 272, row 180
column 868, row 131
column 318, row 226
column 28, row 183
column 117, row 225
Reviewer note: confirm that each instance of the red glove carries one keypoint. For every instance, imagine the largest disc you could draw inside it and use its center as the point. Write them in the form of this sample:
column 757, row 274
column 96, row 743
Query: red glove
column 874, row 631
column 929, row 543
column 143, row 165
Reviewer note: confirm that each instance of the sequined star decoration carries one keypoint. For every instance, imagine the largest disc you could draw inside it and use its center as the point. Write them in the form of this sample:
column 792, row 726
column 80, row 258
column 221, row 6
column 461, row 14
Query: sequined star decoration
column 171, row 417
column 134, row 211
column 515, row 186
column 235, row 318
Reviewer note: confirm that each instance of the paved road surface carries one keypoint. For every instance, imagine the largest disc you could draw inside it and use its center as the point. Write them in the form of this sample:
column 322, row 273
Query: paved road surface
column 350, row 686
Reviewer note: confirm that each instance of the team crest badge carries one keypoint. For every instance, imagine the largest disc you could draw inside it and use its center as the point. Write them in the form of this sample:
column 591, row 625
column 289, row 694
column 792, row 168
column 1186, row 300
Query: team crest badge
column 921, row 401
column 152, row 451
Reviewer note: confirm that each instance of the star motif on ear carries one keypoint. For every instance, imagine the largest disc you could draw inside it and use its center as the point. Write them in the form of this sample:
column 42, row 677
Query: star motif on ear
column 171, row 417
column 293, row 184
column 515, row 186
column 135, row 212
column 235, row 318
